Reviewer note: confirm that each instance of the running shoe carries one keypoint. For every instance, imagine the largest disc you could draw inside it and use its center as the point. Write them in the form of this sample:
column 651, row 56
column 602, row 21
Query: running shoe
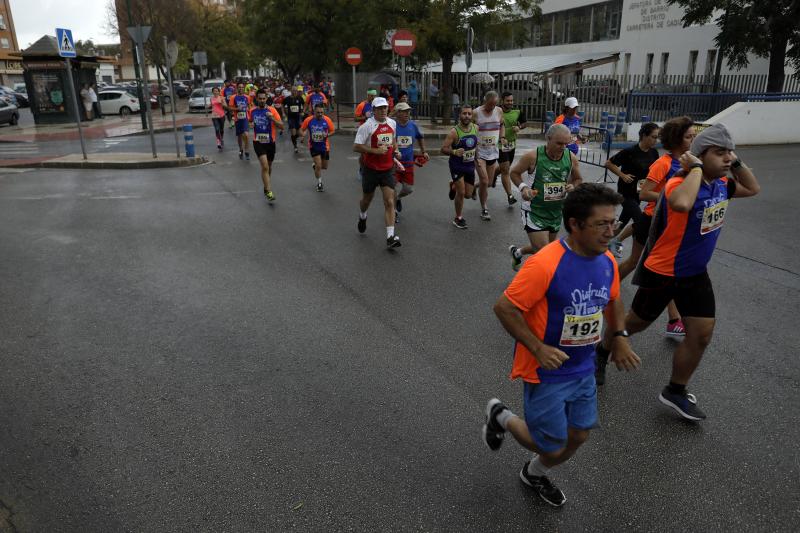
column 616, row 247
column 362, row 225
column 511, row 199
column 398, row 205
column 493, row 432
column 685, row 404
column 485, row 215
column 460, row 223
column 516, row 262
column 676, row 329
column 296, row 150
column 393, row 242
column 241, row 154
column 270, row 196
column 247, row 156
column 219, row 147
column 452, row 193
column 543, row 487
column 320, row 188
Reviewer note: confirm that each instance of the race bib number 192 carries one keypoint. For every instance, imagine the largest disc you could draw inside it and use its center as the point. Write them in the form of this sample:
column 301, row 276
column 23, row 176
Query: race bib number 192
column 581, row 330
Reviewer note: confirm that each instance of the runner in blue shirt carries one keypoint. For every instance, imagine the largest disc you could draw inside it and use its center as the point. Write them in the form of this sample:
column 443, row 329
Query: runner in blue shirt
column 407, row 134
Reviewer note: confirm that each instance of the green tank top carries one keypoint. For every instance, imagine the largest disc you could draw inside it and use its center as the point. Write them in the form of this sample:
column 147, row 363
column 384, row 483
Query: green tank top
column 550, row 181
column 510, row 120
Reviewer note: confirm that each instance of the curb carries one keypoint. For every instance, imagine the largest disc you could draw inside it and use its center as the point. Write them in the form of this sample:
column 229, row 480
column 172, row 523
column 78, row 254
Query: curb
column 114, row 165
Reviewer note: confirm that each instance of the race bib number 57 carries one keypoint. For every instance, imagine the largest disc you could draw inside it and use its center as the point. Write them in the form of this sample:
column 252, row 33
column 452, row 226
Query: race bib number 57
column 581, row 330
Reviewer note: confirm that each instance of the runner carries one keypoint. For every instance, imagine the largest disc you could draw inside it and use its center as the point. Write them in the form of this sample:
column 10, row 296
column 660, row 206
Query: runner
column 332, row 85
column 364, row 109
column 489, row 119
column 570, row 118
column 375, row 139
column 321, row 127
column 554, row 309
column 551, row 171
column 218, row 110
column 265, row 121
column 314, row 98
column 228, row 91
column 514, row 121
column 241, row 104
column 460, row 144
column 407, row 133
column 631, row 166
column 687, row 222
column 293, row 106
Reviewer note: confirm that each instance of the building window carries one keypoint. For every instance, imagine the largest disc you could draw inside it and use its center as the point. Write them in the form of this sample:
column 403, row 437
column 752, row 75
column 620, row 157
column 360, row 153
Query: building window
column 692, row 69
column 2, row 23
column 664, row 63
column 626, row 65
column 648, row 67
column 4, row 43
column 711, row 60
column 597, row 22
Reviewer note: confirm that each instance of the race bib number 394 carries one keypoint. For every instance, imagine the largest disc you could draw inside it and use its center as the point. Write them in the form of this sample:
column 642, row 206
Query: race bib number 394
column 554, row 191
column 581, row 330
column 713, row 217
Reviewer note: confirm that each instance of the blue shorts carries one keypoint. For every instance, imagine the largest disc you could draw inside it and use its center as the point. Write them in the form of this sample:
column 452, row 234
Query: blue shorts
column 550, row 408
column 242, row 127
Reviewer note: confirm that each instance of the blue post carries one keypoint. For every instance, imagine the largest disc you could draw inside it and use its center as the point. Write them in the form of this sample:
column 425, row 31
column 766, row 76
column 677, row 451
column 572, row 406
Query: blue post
column 621, row 116
column 188, row 137
column 611, row 127
column 603, row 119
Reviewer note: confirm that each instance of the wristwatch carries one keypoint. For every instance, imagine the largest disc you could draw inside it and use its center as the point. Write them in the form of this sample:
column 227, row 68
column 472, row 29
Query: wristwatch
column 622, row 333
column 736, row 164
column 695, row 165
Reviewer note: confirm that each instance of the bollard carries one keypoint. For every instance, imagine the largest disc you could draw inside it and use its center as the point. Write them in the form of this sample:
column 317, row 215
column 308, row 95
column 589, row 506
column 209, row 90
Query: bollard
column 620, row 121
column 188, row 137
column 611, row 126
column 603, row 119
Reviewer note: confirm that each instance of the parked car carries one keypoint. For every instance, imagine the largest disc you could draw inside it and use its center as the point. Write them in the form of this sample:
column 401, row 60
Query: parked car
column 22, row 99
column 8, row 113
column 8, row 95
column 181, row 90
column 200, row 100
column 21, row 88
column 117, row 102
column 208, row 84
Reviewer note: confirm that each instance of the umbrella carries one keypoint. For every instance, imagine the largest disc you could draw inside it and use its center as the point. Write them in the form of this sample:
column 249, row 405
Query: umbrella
column 482, row 77
column 382, row 79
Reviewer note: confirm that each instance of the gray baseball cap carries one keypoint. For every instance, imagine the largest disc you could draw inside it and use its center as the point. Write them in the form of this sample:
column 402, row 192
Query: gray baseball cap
column 714, row 135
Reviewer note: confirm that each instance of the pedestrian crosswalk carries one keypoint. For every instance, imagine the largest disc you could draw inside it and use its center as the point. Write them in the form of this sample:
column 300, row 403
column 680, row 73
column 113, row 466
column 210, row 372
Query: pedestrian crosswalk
column 23, row 150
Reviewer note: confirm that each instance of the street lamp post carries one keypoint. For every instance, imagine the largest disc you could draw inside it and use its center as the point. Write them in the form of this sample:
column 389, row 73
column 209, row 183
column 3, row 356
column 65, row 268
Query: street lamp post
column 142, row 102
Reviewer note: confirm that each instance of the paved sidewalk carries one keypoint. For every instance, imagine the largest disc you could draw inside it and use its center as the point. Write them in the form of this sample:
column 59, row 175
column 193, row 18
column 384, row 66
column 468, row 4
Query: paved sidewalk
column 119, row 160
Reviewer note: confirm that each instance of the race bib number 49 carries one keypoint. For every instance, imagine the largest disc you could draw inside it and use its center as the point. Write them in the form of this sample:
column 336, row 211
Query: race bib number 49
column 385, row 139
column 554, row 191
column 713, row 217
column 581, row 330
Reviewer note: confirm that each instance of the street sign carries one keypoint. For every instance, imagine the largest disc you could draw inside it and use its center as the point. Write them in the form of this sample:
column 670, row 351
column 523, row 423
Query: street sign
column 468, row 57
column 387, row 39
column 470, row 37
column 139, row 34
column 200, row 59
column 66, row 46
column 172, row 53
column 353, row 56
column 403, row 43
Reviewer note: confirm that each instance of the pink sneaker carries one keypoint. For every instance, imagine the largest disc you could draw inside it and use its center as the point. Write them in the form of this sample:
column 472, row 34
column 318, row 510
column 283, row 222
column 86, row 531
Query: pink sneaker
column 676, row 329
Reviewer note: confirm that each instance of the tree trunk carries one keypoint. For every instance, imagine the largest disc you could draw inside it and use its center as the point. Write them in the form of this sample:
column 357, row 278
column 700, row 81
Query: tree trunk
column 777, row 60
column 446, row 92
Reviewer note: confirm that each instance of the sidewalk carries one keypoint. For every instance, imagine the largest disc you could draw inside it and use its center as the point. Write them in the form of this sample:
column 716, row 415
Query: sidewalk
column 112, row 126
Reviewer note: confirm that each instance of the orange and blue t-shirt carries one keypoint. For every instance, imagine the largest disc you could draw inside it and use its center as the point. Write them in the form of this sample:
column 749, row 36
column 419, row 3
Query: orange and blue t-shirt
column 685, row 241
column 562, row 296
column 318, row 132
column 660, row 172
column 241, row 103
column 264, row 129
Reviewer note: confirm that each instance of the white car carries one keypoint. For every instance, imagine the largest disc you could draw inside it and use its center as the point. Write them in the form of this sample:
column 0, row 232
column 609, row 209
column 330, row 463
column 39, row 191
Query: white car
column 200, row 101
column 117, row 102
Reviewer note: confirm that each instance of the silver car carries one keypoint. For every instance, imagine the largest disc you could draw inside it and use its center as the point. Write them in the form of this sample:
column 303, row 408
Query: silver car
column 200, row 101
column 8, row 113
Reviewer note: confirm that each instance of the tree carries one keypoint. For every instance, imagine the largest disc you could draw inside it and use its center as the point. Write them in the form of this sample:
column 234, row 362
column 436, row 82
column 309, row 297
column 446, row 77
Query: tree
column 440, row 27
column 766, row 29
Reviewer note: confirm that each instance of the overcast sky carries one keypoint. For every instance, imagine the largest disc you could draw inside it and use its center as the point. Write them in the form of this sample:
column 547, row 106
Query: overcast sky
column 86, row 19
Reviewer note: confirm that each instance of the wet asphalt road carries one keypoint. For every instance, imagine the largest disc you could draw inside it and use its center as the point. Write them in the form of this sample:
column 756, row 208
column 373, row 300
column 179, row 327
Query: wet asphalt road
column 179, row 356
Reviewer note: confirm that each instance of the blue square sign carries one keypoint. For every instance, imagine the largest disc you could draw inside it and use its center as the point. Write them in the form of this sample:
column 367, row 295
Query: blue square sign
column 66, row 46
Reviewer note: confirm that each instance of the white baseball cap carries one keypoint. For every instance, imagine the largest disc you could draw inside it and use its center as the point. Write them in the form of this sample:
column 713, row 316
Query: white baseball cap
column 380, row 102
column 571, row 102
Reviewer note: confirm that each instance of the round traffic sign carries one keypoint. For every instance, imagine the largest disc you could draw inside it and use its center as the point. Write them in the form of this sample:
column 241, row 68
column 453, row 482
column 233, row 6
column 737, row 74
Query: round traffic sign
column 353, row 56
column 403, row 42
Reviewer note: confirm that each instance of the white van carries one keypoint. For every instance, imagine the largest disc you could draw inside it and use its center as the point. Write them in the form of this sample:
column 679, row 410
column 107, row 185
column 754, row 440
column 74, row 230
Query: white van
column 209, row 84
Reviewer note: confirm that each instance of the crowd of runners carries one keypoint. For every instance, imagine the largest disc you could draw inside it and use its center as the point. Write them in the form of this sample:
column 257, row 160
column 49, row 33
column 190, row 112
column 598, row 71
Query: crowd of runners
column 563, row 307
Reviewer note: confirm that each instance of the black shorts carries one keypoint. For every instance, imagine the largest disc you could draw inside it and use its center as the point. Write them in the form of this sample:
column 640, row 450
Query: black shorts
column 507, row 157
column 326, row 155
column 641, row 228
column 469, row 177
column 371, row 179
column 267, row 149
column 489, row 162
column 694, row 295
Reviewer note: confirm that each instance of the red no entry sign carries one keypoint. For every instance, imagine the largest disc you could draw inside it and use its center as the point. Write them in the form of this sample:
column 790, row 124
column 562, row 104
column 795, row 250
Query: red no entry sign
column 403, row 43
column 353, row 56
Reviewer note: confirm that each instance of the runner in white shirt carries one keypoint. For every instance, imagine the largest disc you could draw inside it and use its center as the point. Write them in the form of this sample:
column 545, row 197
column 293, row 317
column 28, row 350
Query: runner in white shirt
column 491, row 133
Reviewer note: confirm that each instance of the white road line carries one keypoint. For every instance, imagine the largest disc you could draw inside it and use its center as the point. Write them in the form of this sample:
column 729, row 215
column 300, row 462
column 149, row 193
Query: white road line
column 121, row 197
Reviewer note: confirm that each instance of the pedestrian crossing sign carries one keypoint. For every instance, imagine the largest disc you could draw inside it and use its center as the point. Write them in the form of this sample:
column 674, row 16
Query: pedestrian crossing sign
column 66, row 46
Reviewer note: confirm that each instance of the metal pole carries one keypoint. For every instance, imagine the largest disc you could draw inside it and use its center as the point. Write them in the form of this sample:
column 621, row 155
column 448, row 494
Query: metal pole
column 147, row 83
column 172, row 96
column 136, row 69
column 403, row 72
column 75, row 104
column 355, row 97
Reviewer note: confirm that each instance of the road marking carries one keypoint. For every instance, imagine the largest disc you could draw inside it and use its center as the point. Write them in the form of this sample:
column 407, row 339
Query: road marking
column 120, row 197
